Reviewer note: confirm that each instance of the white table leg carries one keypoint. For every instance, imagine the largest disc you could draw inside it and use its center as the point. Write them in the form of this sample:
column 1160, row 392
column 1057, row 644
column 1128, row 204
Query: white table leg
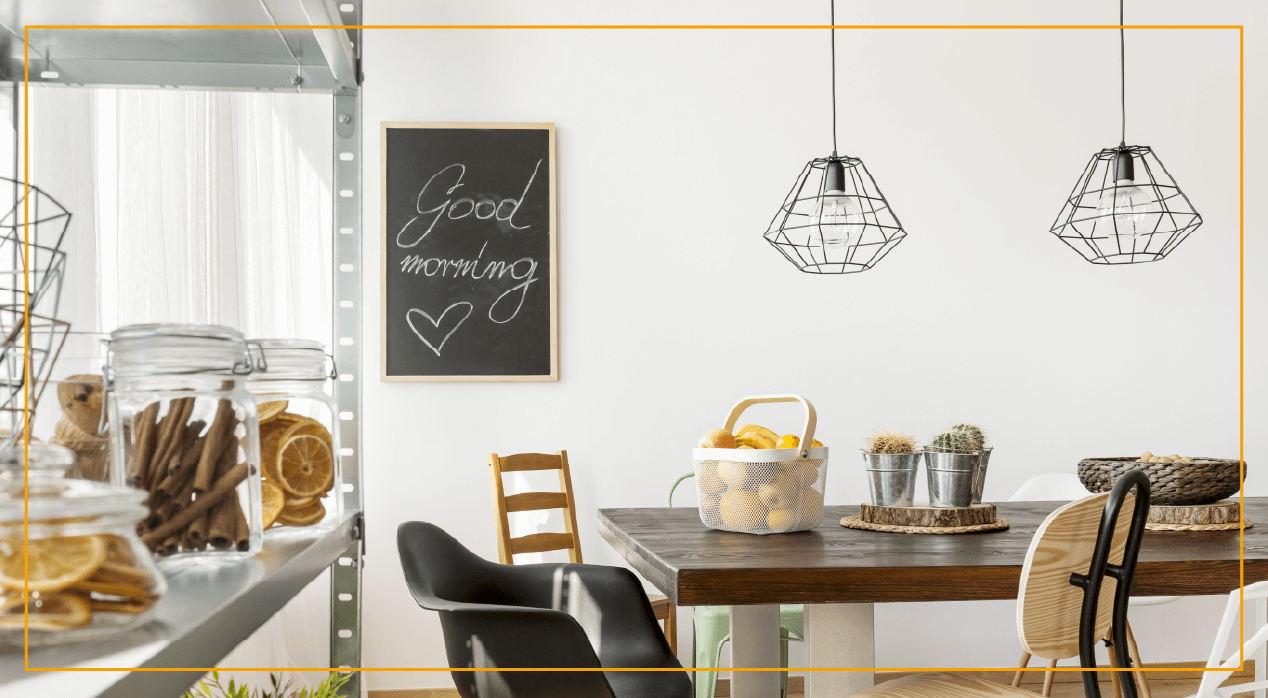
column 755, row 643
column 840, row 635
column 1261, row 654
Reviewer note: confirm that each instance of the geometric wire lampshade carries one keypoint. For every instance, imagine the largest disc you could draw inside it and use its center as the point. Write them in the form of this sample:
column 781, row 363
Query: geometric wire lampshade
column 835, row 219
column 1126, row 209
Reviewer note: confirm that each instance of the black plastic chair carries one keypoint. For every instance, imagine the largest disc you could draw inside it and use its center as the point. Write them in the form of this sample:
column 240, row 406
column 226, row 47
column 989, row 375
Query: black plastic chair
column 527, row 616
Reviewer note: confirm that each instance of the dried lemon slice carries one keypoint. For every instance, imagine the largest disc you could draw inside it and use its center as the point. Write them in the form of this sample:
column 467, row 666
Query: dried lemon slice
column 303, row 516
column 52, row 563
column 274, row 499
column 304, row 466
column 271, row 410
column 49, row 612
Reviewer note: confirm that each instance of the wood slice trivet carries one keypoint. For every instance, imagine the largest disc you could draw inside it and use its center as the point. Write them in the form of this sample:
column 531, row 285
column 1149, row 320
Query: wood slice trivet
column 1221, row 512
column 856, row 522
column 928, row 517
column 1223, row 515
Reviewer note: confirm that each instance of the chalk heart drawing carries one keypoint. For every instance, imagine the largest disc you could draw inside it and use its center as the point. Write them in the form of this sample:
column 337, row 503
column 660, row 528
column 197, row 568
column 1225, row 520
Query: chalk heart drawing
column 460, row 316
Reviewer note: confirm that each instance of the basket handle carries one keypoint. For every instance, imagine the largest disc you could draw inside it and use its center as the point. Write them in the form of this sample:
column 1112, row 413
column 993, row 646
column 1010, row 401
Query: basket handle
column 807, row 432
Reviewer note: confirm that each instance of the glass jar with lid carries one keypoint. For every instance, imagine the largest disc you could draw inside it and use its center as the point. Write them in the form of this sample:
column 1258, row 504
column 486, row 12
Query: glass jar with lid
column 184, row 428
column 80, row 571
column 299, row 439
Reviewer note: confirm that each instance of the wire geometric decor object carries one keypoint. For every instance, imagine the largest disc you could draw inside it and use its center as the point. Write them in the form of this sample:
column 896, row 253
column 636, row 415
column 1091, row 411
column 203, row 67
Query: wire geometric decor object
column 835, row 219
column 1115, row 219
column 31, row 279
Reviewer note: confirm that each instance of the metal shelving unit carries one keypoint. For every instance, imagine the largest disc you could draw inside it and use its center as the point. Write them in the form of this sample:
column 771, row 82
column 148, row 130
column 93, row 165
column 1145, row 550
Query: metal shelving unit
column 303, row 45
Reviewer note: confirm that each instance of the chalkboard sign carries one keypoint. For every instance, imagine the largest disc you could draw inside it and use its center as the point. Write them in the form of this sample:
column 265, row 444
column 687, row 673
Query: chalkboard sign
column 469, row 268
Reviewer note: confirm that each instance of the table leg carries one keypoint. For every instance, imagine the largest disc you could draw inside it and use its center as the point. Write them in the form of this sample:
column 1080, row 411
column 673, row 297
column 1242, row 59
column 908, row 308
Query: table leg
column 1261, row 654
column 840, row 635
column 755, row 643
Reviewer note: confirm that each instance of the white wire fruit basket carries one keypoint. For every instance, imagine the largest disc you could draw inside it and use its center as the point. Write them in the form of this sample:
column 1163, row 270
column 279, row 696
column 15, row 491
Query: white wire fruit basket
column 762, row 491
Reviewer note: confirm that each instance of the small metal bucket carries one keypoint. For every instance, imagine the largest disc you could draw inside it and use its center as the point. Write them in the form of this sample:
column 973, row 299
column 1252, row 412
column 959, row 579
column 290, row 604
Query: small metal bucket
column 950, row 488
column 979, row 476
column 891, row 478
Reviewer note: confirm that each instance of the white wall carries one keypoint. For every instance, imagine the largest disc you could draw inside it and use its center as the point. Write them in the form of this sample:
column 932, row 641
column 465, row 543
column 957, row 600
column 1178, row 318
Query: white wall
column 676, row 148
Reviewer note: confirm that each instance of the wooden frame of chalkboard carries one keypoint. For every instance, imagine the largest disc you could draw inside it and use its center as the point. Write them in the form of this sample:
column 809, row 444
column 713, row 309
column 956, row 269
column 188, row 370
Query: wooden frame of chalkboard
column 467, row 227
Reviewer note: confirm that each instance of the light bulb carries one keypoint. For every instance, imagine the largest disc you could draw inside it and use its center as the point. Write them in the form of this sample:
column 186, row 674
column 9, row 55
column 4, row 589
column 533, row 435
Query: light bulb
column 837, row 220
column 1134, row 212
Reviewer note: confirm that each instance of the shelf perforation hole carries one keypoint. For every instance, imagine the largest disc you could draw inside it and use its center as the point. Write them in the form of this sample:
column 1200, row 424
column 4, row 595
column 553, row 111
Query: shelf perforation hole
column 345, row 561
column 345, row 416
column 345, row 377
column 345, row 304
column 345, row 156
column 345, row 634
column 345, row 341
column 345, row 267
column 349, row 487
column 345, row 193
column 345, row 231
column 345, row 597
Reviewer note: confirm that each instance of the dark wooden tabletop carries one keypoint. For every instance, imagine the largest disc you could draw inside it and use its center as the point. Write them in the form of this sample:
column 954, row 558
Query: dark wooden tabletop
column 697, row 566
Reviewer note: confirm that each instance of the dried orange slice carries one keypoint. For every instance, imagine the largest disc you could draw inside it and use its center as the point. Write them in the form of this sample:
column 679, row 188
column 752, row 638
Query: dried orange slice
column 52, row 563
column 297, row 502
column 303, row 516
column 274, row 499
column 305, row 465
column 49, row 612
column 282, row 430
column 271, row 410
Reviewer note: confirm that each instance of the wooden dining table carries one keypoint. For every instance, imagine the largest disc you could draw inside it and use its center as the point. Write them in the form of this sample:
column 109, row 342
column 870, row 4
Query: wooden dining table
column 840, row 573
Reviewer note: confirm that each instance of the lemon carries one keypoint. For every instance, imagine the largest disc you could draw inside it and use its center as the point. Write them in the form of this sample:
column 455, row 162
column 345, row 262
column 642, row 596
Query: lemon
column 781, row 519
column 742, row 510
column 779, row 494
column 707, row 479
column 793, row 441
column 809, row 508
column 735, row 475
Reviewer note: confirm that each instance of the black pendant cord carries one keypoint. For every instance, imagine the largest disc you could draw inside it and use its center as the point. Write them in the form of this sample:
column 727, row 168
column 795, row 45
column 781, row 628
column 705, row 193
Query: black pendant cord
column 1122, row 74
column 832, row 32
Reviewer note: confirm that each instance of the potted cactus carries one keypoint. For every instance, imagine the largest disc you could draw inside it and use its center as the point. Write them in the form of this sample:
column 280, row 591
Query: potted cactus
column 953, row 465
column 892, row 459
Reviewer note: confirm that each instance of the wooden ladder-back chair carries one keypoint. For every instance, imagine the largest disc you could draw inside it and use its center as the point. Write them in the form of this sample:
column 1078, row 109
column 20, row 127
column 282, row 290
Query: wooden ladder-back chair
column 509, row 547
column 1074, row 590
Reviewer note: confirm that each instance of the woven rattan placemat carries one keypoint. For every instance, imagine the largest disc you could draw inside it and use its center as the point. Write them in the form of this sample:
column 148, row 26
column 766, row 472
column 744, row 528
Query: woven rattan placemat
column 856, row 522
column 1231, row 526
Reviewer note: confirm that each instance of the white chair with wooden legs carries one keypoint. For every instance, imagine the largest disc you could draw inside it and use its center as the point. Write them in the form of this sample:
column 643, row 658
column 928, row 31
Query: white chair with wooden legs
column 1073, row 550
column 1064, row 487
column 1211, row 680
column 509, row 547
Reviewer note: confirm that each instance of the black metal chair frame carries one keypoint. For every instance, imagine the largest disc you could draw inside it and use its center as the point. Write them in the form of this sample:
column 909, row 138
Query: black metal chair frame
column 1123, row 573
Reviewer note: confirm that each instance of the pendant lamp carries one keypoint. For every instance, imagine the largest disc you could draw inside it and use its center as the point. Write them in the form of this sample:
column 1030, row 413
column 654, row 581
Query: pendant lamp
column 835, row 219
column 1126, row 208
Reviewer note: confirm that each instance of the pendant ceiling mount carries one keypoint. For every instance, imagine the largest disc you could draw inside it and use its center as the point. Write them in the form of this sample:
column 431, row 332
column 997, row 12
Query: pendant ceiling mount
column 1126, row 208
column 835, row 220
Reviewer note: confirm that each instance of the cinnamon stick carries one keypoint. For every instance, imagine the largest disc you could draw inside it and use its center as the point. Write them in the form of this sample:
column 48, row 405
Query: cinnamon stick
column 225, row 486
column 170, row 544
column 146, row 436
column 196, row 533
column 170, row 430
column 241, row 534
column 220, row 430
column 220, row 533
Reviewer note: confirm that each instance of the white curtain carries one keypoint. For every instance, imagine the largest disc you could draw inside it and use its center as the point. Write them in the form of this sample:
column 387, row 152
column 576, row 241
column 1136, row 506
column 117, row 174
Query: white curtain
column 200, row 207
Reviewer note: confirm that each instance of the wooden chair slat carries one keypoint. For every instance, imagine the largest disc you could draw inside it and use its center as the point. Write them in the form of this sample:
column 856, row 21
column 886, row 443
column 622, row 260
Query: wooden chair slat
column 540, row 543
column 536, row 501
column 531, row 461
column 1047, row 603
